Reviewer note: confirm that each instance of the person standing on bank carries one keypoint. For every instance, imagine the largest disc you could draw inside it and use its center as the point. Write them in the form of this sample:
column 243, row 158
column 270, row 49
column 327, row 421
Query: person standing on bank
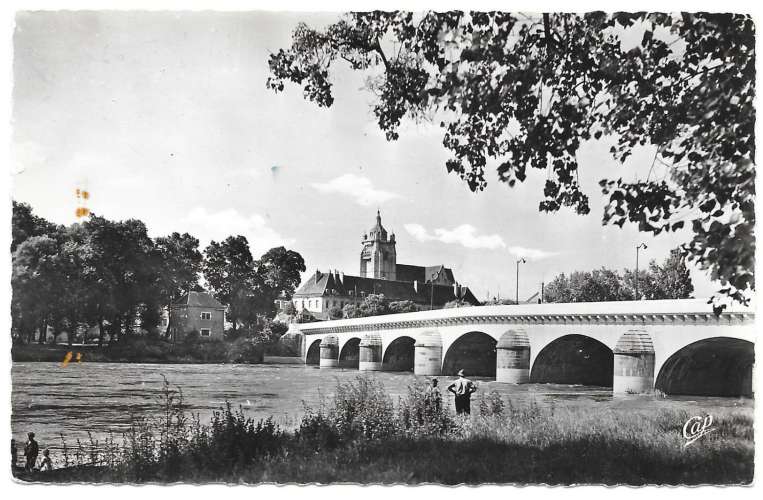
column 31, row 450
column 463, row 388
column 433, row 396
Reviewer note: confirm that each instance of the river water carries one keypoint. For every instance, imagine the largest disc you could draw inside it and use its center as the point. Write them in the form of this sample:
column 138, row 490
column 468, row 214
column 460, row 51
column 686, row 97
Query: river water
column 100, row 397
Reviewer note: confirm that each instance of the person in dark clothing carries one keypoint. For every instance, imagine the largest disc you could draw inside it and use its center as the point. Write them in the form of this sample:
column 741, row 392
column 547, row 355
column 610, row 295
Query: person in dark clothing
column 463, row 388
column 31, row 450
column 14, row 454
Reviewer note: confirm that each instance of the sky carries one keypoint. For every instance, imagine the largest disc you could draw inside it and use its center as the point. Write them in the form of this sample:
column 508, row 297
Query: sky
column 165, row 117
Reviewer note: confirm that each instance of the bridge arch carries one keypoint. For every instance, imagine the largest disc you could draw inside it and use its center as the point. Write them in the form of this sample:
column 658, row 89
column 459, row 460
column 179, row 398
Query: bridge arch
column 717, row 366
column 574, row 359
column 349, row 353
column 474, row 352
column 313, row 354
column 399, row 355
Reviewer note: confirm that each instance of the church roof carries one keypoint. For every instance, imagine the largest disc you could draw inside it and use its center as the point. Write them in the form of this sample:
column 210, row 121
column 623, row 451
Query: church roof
column 422, row 274
column 377, row 229
column 331, row 284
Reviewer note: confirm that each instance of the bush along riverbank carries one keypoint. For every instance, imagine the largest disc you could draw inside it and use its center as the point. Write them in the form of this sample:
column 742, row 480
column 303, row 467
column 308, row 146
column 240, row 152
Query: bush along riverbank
column 360, row 435
column 146, row 350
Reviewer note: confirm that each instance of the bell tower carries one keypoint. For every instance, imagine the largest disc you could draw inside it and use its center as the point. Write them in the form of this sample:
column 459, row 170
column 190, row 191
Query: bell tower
column 378, row 258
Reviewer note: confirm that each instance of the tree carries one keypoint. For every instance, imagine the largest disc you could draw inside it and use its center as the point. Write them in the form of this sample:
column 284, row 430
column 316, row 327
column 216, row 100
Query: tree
column 529, row 91
column 455, row 304
column 34, row 280
column 229, row 271
column 351, row 311
column 24, row 225
column 669, row 281
column 403, row 306
column 335, row 313
column 278, row 275
column 280, row 270
column 178, row 268
column 179, row 264
column 672, row 277
column 120, row 264
column 373, row 305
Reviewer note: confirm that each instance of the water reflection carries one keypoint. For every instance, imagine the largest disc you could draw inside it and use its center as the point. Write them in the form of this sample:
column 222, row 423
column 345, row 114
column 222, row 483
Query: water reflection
column 99, row 397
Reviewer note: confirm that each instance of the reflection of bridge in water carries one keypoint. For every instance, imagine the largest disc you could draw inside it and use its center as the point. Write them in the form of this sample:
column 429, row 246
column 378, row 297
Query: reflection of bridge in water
column 677, row 346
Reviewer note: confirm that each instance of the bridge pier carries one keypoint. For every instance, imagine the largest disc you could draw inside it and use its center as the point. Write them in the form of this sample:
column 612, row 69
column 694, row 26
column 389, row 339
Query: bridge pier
column 329, row 352
column 370, row 357
column 428, row 354
column 633, row 364
column 512, row 363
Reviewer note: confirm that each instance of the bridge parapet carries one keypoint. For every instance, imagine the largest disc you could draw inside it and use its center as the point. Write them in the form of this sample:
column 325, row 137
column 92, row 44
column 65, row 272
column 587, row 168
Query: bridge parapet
column 631, row 313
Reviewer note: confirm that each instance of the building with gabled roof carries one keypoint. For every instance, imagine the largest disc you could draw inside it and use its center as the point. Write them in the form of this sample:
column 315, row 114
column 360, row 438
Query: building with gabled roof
column 197, row 311
column 427, row 286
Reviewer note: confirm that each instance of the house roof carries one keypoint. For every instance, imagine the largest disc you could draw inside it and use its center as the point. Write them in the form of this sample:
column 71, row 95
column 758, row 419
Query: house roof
column 333, row 284
column 422, row 274
column 199, row 299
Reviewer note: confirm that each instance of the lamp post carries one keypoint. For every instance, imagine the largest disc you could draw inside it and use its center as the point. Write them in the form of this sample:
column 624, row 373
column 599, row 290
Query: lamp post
column 431, row 293
column 642, row 245
column 523, row 261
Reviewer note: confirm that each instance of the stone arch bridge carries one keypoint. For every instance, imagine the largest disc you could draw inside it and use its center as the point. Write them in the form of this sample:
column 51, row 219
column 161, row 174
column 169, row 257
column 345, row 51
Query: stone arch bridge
column 677, row 346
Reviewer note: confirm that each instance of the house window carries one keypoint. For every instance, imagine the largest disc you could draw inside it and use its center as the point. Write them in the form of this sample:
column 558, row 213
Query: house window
column 206, row 332
column 206, row 315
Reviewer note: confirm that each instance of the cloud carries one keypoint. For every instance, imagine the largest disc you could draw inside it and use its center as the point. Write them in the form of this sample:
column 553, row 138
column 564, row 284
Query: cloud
column 246, row 173
column 531, row 253
column 27, row 155
column 357, row 187
column 464, row 235
column 217, row 226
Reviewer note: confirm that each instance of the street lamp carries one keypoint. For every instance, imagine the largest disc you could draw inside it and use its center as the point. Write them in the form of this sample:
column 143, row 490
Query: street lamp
column 431, row 294
column 642, row 245
column 523, row 261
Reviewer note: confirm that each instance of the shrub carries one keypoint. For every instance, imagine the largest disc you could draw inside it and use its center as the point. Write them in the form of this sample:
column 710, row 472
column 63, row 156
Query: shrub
column 244, row 351
column 335, row 313
column 491, row 404
column 192, row 337
column 422, row 413
column 403, row 306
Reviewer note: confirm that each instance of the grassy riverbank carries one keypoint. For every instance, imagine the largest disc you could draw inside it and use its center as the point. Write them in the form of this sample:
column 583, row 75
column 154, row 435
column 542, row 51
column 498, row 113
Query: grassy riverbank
column 360, row 435
column 145, row 350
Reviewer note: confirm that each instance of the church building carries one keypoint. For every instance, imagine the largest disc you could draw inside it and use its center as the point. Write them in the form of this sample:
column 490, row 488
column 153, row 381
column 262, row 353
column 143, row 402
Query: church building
column 380, row 274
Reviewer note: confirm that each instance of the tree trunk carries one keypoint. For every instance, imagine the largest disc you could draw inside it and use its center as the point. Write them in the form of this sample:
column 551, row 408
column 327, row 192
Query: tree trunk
column 43, row 332
column 116, row 328
column 100, row 331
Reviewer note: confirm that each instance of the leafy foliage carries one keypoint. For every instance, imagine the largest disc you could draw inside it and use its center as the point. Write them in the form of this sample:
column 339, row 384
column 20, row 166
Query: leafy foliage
column 112, row 275
column 250, row 287
column 525, row 91
column 669, row 281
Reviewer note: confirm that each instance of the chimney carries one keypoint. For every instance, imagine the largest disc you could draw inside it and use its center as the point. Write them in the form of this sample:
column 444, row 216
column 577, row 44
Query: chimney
column 416, row 286
column 317, row 275
column 341, row 277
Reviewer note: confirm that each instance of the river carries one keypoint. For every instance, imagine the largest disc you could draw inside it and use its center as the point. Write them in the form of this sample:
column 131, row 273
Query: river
column 100, row 397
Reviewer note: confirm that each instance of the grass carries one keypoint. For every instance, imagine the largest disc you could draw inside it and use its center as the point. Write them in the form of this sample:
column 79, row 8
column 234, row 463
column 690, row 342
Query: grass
column 360, row 435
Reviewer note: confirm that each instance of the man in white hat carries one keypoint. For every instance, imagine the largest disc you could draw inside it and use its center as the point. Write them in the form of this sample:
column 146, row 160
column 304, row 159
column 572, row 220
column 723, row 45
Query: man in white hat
column 463, row 389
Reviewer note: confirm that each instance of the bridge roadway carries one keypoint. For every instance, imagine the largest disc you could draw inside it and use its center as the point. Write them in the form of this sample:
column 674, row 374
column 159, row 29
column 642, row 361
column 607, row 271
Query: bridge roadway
column 677, row 346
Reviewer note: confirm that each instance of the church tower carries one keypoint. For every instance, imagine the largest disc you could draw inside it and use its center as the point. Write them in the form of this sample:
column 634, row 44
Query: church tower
column 378, row 258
